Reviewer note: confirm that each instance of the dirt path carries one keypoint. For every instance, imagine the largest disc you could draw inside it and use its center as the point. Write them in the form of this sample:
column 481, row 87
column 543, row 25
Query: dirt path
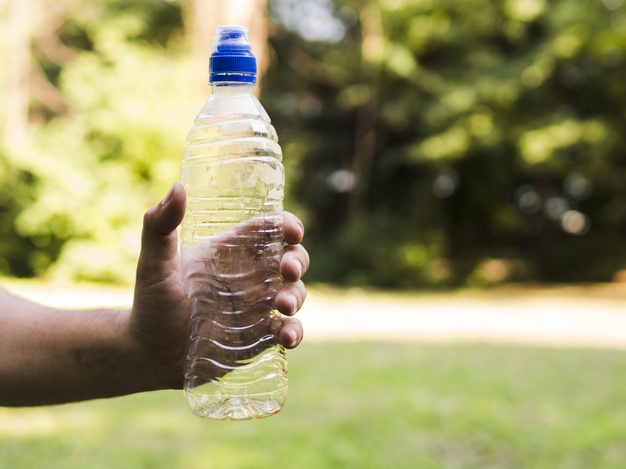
column 554, row 317
column 565, row 316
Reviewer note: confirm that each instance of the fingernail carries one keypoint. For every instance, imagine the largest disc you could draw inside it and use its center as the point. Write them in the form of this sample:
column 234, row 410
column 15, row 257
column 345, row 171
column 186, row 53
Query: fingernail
column 293, row 338
column 299, row 268
column 294, row 302
column 168, row 196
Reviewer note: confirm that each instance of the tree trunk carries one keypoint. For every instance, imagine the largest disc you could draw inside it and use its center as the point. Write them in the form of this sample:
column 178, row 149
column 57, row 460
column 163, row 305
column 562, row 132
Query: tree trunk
column 18, row 69
column 372, row 47
column 201, row 19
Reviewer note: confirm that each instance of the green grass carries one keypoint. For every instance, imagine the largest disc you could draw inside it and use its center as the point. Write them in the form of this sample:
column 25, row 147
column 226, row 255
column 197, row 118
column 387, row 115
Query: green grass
column 361, row 406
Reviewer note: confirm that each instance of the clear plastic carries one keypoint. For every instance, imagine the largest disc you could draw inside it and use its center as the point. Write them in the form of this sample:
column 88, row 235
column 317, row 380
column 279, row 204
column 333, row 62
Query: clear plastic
column 231, row 246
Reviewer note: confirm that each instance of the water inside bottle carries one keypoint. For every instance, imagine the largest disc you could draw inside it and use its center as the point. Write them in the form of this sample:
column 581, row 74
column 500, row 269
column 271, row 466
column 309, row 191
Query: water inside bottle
column 231, row 247
column 236, row 367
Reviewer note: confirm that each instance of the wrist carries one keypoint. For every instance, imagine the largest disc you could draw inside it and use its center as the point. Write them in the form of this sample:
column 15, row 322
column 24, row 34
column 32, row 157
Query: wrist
column 159, row 362
column 134, row 372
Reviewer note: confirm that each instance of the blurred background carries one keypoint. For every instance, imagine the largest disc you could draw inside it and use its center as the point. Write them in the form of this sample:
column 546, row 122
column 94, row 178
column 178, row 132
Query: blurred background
column 427, row 144
column 430, row 145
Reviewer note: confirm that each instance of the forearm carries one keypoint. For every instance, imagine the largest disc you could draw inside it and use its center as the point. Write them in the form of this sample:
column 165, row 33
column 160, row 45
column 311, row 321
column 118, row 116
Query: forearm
column 50, row 356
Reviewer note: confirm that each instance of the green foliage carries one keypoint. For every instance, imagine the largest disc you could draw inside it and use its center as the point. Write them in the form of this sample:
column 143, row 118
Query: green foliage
column 377, row 253
column 426, row 143
column 96, row 168
column 360, row 405
column 497, row 127
column 15, row 193
column 112, row 158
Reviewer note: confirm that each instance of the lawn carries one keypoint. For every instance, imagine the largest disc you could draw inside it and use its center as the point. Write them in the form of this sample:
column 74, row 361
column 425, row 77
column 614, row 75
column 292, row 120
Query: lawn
column 361, row 405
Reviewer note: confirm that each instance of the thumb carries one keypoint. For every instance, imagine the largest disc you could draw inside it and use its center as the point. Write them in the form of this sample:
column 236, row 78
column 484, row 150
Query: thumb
column 159, row 241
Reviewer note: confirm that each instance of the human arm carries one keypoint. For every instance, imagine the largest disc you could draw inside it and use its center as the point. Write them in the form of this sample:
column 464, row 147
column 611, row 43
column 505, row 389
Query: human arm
column 50, row 356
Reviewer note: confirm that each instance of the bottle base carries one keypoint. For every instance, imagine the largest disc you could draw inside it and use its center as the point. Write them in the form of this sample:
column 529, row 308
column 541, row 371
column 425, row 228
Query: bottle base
column 236, row 407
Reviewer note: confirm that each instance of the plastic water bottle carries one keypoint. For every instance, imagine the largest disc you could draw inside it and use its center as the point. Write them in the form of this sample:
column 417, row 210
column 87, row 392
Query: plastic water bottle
column 232, row 243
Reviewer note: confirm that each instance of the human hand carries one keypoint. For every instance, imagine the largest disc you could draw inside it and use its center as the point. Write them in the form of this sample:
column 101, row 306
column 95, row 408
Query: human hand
column 159, row 321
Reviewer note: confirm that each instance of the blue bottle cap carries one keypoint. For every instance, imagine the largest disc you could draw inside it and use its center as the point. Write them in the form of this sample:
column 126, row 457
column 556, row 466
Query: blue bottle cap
column 232, row 59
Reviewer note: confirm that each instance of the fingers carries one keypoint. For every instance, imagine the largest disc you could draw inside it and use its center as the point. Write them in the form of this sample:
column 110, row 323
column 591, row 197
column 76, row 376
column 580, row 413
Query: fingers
column 290, row 298
column 293, row 229
column 294, row 263
column 159, row 243
column 291, row 333
column 164, row 217
column 293, row 266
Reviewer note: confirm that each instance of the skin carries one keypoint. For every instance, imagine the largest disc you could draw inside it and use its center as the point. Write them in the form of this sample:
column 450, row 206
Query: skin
column 52, row 356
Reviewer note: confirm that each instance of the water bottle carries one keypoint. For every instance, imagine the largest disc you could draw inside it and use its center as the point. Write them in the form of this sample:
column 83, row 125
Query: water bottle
column 231, row 244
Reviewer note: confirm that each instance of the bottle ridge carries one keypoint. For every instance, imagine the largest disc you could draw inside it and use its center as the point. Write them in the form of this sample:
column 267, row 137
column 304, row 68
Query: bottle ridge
column 231, row 244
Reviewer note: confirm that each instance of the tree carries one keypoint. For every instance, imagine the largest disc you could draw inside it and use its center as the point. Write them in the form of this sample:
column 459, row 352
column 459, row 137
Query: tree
column 16, row 18
column 426, row 143
column 201, row 19
column 496, row 128
column 108, row 96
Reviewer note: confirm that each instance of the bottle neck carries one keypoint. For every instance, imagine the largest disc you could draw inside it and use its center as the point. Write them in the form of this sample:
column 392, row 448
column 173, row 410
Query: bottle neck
column 232, row 88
